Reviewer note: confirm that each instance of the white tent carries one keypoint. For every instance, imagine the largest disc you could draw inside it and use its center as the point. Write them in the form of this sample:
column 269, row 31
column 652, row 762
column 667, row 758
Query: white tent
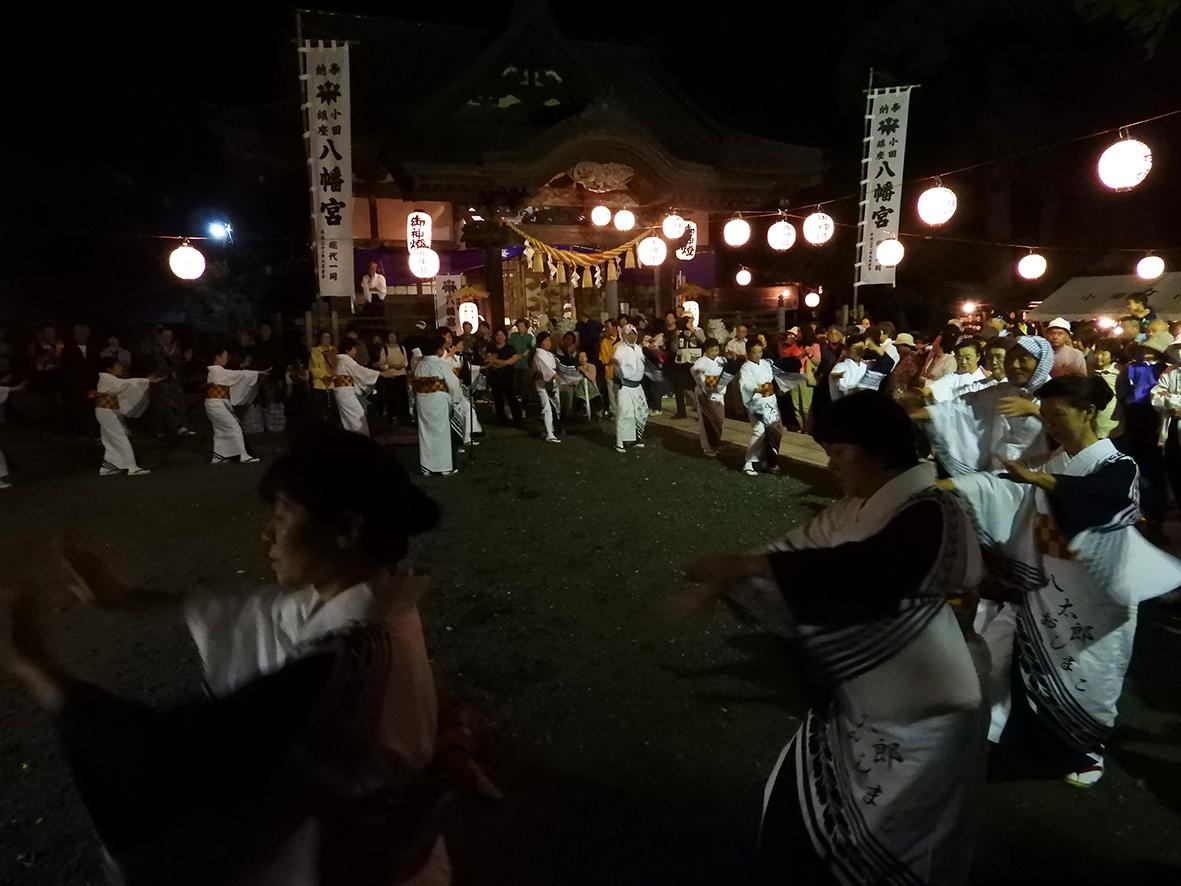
column 1083, row 298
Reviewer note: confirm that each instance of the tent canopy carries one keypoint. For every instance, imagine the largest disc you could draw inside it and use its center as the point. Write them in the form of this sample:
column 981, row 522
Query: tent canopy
column 1083, row 298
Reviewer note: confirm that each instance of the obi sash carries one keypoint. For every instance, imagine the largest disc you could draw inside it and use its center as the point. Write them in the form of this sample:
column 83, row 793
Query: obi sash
column 341, row 381
column 710, row 382
column 104, row 401
column 217, row 392
column 628, row 383
column 429, row 384
column 767, row 390
column 1049, row 539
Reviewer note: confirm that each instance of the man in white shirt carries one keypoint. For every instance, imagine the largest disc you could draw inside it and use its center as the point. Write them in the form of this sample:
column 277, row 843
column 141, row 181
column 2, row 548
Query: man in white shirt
column 736, row 347
column 372, row 291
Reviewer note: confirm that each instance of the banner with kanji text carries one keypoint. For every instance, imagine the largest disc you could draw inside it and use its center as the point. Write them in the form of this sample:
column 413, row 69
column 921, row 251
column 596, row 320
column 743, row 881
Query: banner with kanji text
column 330, row 163
column 881, row 180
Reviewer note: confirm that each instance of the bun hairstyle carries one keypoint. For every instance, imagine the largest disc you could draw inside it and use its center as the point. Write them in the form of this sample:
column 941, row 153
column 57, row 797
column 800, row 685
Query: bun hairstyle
column 107, row 362
column 1078, row 392
column 322, row 467
column 874, row 422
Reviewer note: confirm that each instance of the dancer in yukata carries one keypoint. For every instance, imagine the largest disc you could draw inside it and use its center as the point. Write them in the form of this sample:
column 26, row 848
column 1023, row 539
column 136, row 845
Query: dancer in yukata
column 882, row 781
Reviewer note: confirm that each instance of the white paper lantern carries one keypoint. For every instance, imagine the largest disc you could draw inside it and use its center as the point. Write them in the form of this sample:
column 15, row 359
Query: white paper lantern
column 418, row 230
column 424, row 263
column 625, row 220
column 186, row 262
column 736, row 232
column 812, row 299
column 889, row 252
column 743, row 277
column 818, row 228
column 601, row 216
column 673, row 226
column 937, row 205
column 781, row 236
column 1125, row 164
column 969, row 308
column 687, row 250
column 1032, row 266
column 652, row 251
column 1150, row 267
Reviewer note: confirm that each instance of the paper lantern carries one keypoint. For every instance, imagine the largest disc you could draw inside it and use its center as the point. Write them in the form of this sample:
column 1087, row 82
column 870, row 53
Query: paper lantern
column 736, row 232
column 818, row 228
column 937, row 205
column 781, row 236
column 743, row 277
column 693, row 309
column 688, row 249
column 1032, row 266
column 812, row 299
column 601, row 216
column 1125, row 164
column 424, row 263
column 186, row 262
column 673, row 226
column 468, row 312
column 418, row 231
column 969, row 308
column 652, row 251
column 889, row 252
column 1150, row 267
column 1105, row 323
column 625, row 220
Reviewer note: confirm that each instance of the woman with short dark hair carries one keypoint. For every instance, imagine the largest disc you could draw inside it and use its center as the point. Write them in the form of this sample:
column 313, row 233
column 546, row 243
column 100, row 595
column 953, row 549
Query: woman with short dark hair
column 303, row 765
column 882, row 779
column 1064, row 551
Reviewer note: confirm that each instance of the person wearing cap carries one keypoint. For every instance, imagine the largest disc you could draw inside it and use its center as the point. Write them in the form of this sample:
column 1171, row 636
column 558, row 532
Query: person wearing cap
column 905, row 376
column 1068, row 360
column 631, row 406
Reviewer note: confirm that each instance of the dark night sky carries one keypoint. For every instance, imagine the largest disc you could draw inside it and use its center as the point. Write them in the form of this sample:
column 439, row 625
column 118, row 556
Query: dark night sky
column 996, row 76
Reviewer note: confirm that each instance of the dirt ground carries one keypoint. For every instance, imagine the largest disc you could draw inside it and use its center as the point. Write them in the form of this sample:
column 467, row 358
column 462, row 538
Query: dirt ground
column 632, row 748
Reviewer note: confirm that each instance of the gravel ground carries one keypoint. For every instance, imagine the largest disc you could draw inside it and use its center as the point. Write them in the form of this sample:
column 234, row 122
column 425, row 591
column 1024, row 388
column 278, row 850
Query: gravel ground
column 632, row 749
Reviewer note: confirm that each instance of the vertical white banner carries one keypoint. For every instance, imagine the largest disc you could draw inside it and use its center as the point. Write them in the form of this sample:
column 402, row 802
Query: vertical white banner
column 881, row 180
column 330, row 164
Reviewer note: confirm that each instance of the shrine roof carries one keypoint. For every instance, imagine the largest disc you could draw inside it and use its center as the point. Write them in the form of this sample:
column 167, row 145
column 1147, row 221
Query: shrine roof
column 439, row 107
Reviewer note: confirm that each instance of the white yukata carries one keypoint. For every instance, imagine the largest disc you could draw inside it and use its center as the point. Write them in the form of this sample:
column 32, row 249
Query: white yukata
column 545, row 371
column 241, row 637
column 710, row 381
column 353, row 382
column 436, row 393
column 959, row 383
column 631, row 413
column 114, row 399
column 846, row 377
column 881, row 783
column 225, row 389
column 463, row 416
column 756, row 382
column 1078, row 569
